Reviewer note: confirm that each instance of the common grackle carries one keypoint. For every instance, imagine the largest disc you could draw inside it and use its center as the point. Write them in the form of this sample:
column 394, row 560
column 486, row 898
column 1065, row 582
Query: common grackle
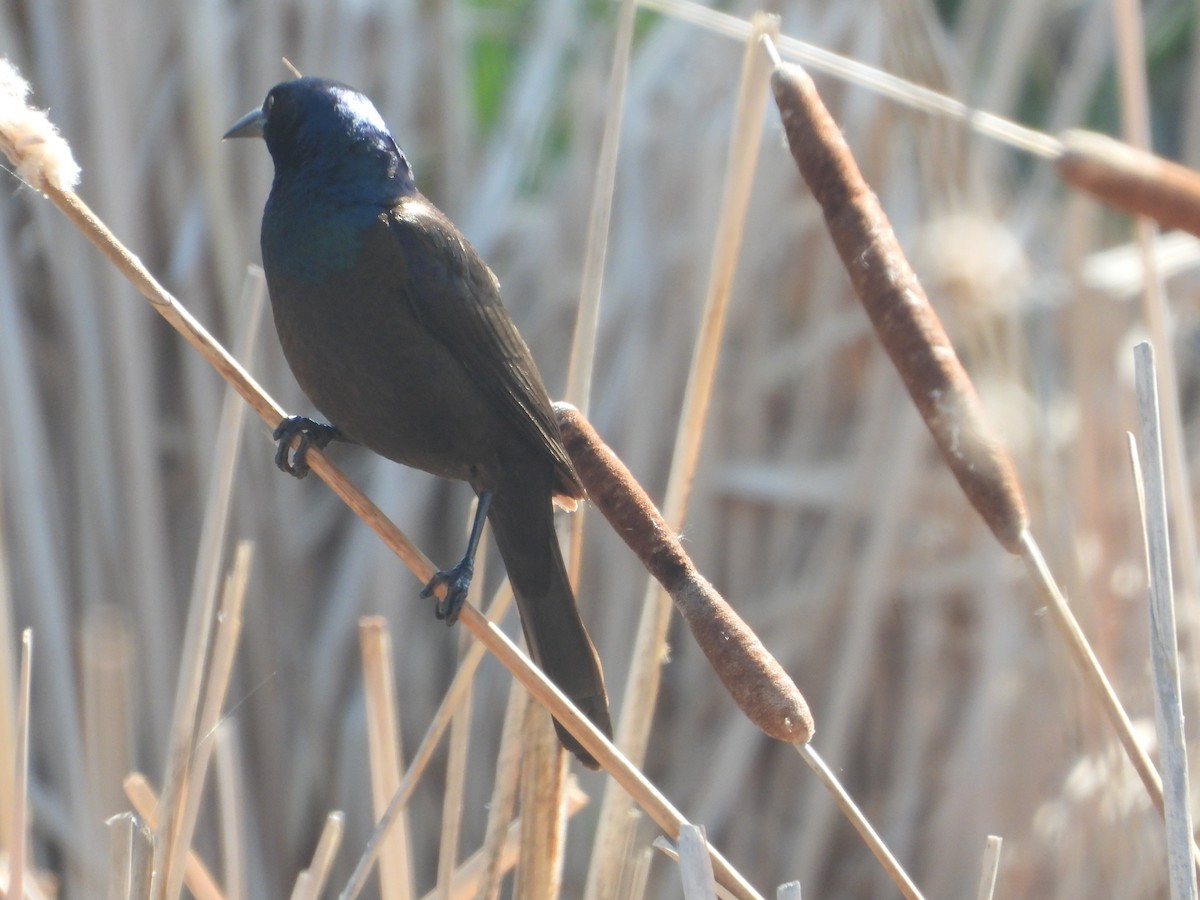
column 394, row 328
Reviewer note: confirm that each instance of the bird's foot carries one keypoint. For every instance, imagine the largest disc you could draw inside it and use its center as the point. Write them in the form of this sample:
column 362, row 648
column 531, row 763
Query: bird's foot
column 456, row 581
column 312, row 434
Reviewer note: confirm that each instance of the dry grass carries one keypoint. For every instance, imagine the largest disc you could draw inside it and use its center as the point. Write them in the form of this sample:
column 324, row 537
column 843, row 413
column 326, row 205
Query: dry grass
column 819, row 506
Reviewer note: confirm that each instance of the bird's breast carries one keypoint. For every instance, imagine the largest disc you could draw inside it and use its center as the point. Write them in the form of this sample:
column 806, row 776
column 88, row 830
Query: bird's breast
column 366, row 362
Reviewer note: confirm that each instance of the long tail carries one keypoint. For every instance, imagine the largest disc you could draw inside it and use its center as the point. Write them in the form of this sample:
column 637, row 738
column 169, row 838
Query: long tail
column 522, row 520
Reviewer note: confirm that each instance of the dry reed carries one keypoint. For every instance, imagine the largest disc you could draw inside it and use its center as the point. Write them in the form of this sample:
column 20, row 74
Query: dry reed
column 383, row 736
column 814, row 499
column 1150, row 480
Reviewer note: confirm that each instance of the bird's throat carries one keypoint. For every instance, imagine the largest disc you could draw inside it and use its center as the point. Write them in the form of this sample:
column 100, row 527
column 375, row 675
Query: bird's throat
column 316, row 240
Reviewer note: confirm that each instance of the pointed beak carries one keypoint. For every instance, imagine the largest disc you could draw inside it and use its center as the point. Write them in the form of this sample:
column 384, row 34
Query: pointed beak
column 248, row 126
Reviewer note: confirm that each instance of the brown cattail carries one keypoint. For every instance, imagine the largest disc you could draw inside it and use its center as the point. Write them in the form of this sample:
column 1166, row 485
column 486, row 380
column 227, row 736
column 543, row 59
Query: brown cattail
column 758, row 684
column 898, row 308
column 32, row 144
column 1137, row 182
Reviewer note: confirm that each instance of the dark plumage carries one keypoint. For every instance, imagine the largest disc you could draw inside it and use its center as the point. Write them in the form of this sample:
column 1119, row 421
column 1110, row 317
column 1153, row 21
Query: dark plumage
column 394, row 328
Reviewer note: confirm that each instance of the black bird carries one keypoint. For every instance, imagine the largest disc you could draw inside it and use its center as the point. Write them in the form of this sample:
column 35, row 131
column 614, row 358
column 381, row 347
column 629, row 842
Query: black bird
column 394, row 328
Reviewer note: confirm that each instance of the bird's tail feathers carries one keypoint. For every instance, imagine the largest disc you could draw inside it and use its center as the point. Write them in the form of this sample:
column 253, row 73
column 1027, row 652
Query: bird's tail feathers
column 523, row 525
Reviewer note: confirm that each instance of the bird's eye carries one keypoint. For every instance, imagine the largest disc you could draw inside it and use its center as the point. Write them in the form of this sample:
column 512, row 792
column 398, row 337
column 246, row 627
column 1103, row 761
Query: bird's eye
column 268, row 103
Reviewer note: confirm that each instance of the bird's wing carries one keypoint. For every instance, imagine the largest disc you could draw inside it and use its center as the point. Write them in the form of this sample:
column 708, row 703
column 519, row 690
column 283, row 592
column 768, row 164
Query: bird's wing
column 458, row 302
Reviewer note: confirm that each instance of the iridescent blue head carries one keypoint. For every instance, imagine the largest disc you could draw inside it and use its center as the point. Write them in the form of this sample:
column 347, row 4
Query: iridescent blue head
column 320, row 131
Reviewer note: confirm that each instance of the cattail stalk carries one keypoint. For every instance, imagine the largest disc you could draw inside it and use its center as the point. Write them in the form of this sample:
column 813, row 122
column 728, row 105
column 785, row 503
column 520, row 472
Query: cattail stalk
column 910, row 331
column 753, row 677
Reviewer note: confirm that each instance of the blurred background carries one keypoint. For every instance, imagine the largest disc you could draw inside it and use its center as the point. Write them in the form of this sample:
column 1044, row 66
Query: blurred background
column 820, row 508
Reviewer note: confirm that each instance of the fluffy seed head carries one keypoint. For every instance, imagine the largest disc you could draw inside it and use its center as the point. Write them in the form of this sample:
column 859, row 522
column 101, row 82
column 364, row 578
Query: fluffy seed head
column 38, row 153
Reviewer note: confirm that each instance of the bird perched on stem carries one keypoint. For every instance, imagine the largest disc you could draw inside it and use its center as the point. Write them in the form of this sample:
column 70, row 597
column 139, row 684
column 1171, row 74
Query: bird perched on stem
column 394, row 328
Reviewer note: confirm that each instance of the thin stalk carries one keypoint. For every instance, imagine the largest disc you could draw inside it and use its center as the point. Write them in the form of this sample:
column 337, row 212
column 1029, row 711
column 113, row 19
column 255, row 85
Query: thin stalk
column 196, row 874
column 989, row 869
column 469, row 878
column 856, row 818
column 642, row 683
column 220, row 671
column 18, row 816
column 500, row 836
column 311, row 882
column 1164, row 641
column 383, row 741
column 456, row 781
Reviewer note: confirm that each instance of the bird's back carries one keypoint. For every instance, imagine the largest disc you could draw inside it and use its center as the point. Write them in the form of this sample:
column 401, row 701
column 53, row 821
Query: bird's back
column 390, row 308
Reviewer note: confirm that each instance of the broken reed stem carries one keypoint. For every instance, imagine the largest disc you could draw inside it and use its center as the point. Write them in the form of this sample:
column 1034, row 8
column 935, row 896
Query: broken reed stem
column 130, row 856
column 504, row 797
column 636, row 784
column 633, row 781
column 456, row 778
column 302, row 889
column 753, row 677
column 196, row 876
column 451, row 700
column 652, row 801
column 467, row 879
column 230, row 794
column 383, row 746
column 311, row 881
column 671, row 852
column 541, row 789
column 1164, row 641
column 18, row 815
column 220, row 670
column 8, row 699
column 695, row 870
column 856, row 818
column 989, row 868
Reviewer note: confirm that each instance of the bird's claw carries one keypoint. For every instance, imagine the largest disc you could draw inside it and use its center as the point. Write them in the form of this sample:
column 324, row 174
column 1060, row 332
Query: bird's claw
column 312, row 434
column 457, row 581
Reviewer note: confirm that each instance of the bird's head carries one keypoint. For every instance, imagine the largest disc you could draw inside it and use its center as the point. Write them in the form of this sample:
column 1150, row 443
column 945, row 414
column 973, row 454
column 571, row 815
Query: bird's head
column 315, row 123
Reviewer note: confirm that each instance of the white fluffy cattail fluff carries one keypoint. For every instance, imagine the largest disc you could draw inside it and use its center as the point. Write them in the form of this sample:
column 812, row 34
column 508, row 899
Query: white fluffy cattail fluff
column 38, row 153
